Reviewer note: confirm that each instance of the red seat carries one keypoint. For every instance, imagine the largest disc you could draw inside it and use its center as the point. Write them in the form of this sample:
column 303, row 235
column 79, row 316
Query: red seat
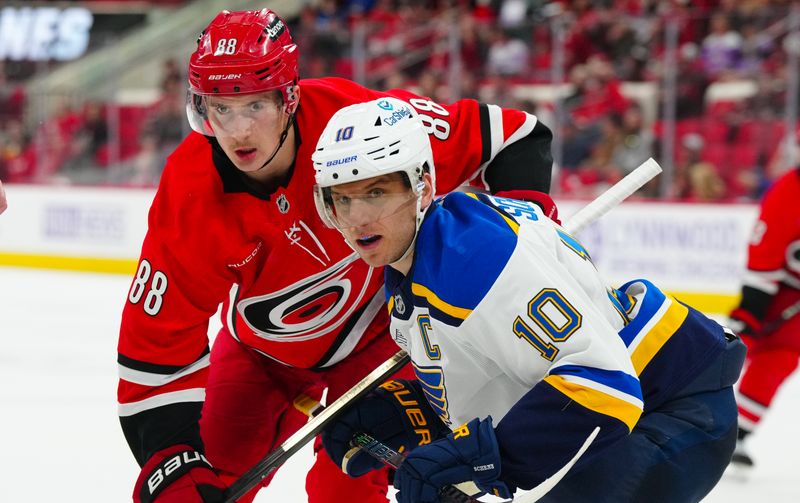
column 715, row 131
column 717, row 154
column 744, row 155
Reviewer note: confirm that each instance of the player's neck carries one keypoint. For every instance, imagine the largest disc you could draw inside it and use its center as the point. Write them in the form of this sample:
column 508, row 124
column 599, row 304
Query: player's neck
column 279, row 166
column 404, row 264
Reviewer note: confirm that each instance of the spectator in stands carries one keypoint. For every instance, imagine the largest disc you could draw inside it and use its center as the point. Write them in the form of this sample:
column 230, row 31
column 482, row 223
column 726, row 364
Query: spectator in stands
column 90, row 137
column 722, row 47
column 756, row 46
column 636, row 145
column 507, row 56
column 162, row 133
column 696, row 180
column 13, row 144
column 12, row 99
column 596, row 93
column 691, row 83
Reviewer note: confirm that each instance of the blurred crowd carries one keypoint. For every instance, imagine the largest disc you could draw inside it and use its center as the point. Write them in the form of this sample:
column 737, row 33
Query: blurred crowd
column 730, row 71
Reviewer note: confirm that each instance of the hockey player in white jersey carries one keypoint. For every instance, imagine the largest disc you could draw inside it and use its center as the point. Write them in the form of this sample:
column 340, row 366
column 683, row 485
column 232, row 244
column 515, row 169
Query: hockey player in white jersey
column 514, row 336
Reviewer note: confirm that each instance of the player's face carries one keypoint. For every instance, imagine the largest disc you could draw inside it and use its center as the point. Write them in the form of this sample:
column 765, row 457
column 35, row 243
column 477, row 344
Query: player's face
column 248, row 127
column 377, row 216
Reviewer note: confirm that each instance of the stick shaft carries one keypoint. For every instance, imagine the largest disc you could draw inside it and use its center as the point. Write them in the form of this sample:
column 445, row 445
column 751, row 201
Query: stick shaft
column 305, row 434
column 613, row 196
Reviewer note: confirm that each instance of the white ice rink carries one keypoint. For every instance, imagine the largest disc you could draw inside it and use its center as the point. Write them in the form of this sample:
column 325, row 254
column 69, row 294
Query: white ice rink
column 60, row 439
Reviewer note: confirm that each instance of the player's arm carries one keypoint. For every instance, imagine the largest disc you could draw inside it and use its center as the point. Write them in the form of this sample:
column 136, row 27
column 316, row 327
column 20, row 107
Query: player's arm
column 163, row 356
column 498, row 149
column 766, row 261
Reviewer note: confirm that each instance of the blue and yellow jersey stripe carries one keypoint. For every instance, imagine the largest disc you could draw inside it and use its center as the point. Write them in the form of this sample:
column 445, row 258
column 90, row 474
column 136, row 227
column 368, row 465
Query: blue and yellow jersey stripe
column 609, row 392
column 654, row 321
column 668, row 341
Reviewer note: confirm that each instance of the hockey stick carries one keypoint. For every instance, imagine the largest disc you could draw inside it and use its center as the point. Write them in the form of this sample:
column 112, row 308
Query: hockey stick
column 276, row 458
column 617, row 193
column 785, row 315
column 594, row 210
column 456, row 493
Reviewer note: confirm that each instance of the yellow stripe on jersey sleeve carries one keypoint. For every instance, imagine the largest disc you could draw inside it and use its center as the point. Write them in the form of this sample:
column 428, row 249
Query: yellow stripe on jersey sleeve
column 657, row 336
column 449, row 309
column 597, row 401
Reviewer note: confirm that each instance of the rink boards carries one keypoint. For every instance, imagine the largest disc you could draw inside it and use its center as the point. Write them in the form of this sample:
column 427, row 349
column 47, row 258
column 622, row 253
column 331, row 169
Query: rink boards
column 695, row 251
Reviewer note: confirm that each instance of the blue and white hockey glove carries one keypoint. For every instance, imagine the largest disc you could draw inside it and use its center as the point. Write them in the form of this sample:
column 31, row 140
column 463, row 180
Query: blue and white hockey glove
column 468, row 453
column 396, row 413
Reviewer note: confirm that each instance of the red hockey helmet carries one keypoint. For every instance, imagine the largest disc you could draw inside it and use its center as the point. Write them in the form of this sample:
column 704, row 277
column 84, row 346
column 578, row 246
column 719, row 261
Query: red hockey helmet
column 243, row 52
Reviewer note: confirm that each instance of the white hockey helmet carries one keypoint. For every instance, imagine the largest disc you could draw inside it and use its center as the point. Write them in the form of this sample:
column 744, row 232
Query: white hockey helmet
column 368, row 140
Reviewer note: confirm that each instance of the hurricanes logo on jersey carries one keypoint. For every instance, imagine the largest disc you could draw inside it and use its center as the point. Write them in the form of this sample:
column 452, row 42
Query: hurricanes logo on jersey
column 312, row 307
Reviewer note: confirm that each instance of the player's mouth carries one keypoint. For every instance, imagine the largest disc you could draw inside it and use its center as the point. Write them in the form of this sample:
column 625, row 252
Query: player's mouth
column 369, row 242
column 245, row 154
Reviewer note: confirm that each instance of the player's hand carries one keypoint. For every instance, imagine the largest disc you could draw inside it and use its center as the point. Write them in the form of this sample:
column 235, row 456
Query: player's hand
column 3, row 201
column 544, row 201
column 396, row 413
column 468, row 453
column 178, row 474
column 744, row 323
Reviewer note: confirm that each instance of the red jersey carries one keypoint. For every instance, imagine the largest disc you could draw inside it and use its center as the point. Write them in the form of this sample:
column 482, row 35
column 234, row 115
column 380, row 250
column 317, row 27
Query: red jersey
column 774, row 254
column 292, row 288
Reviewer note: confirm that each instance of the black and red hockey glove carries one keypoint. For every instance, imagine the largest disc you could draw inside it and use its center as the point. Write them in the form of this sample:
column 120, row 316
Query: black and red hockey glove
column 745, row 323
column 544, row 201
column 178, row 474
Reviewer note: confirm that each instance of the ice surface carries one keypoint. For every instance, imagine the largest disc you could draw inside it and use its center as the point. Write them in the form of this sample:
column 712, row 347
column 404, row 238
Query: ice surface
column 60, row 438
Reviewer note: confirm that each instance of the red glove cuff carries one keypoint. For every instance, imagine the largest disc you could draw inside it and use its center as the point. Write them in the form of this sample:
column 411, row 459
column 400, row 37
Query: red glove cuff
column 751, row 325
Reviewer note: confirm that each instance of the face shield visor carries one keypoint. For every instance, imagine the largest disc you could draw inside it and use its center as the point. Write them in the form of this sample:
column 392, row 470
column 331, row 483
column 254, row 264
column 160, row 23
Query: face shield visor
column 228, row 115
column 342, row 208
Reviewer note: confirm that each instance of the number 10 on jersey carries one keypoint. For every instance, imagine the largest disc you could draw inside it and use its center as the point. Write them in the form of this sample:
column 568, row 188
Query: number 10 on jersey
column 555, row 316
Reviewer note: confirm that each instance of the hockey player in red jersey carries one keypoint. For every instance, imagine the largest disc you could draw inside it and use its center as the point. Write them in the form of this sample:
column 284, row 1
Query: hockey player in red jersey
column 234, row 222
column 767, row 315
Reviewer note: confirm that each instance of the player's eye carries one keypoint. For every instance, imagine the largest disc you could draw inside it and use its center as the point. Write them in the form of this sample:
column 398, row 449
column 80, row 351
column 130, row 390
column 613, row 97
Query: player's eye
column 375, row 193
column 257, row 106
column 341, row 200
column 221, row 109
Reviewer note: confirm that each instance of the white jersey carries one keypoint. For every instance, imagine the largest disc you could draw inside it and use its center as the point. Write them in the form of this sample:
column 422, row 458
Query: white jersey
column 504, row 314
column 483, row 330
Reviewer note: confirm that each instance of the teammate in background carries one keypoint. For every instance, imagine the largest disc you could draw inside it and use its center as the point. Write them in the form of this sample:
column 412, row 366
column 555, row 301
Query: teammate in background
column 767, row 315
column 233, row 221
column 3, row 200
column 513, row 335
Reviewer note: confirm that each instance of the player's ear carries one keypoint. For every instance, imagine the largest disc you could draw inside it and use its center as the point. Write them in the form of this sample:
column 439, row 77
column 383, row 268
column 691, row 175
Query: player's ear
column 427, row 191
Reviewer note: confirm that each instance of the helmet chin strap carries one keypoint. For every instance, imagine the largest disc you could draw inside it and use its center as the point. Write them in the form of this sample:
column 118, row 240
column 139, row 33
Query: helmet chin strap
column 284, row 134
column 420, row 216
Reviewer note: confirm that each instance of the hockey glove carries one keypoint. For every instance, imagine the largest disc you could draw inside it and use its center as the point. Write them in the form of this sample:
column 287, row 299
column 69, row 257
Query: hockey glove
column 542, row 200
column 178, row 474
column 468, row 453
column 396, row 413
column 744, row 323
